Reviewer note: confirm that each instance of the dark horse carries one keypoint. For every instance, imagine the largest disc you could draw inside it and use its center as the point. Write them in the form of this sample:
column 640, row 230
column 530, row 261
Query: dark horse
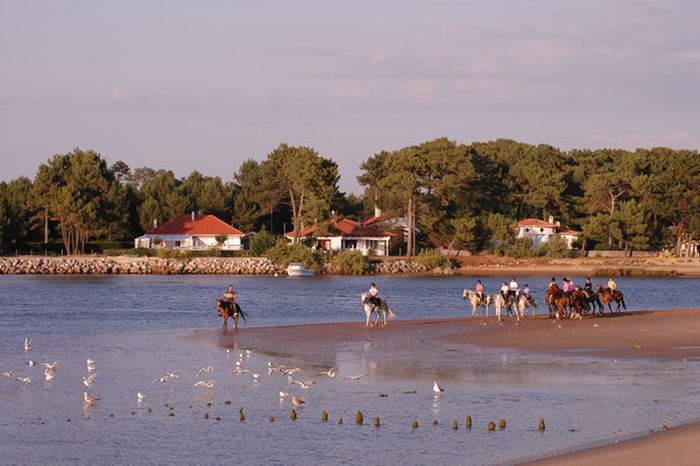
column 592, row 301
column 557, row 301
column 227, row 309
column 607, row 296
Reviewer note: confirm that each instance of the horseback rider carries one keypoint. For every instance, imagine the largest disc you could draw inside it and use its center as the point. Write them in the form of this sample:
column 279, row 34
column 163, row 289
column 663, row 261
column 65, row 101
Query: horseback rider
column 372, row 294
column 513, row 288
column 552, row 283
column 229, row 295
column 504, row 291
column 568, row 287
column 611, row 284
column 479, row 290
column 588, row 286
column 526, row 292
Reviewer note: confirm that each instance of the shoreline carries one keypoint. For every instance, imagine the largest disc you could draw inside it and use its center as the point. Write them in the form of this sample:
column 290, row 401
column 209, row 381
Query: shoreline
column 474, row 266
column 660, row 334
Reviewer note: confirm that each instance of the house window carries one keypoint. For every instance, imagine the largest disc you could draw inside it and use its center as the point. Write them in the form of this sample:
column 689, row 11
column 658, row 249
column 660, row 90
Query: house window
column 541, row 230
column 177, row 244
column 527, row 230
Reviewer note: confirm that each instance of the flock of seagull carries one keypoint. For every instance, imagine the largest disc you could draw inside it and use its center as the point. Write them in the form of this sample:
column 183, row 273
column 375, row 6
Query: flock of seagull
column 50, row 370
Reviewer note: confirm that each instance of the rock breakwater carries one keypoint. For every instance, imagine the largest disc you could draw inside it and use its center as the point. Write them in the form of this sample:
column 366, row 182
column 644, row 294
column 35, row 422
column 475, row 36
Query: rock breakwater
column 141, row 265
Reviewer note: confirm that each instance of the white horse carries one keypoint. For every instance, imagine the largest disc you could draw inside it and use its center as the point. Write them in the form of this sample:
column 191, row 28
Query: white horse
column 476, row 301
column 522, row 303
column 499, row 302
column 382, row 308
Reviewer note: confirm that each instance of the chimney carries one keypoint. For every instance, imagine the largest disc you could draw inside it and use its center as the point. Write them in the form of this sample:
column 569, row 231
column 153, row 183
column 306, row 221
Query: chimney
column 551, row 219
column 377, row 211
column 193, row 216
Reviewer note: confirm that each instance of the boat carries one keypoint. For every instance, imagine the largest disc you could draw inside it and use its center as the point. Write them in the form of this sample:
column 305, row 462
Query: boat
column 297, row 269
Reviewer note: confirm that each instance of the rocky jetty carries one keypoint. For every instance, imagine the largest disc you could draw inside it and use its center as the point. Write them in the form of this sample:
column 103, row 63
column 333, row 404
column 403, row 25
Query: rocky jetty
column 141, row 265
column 191, row 266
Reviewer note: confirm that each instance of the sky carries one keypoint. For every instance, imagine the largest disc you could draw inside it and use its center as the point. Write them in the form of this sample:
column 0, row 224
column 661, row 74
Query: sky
column 206, row 85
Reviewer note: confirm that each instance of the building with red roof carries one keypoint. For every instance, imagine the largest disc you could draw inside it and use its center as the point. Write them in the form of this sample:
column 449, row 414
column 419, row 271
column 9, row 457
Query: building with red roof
column 344, row 234
column 541, row 231
column 192, row 232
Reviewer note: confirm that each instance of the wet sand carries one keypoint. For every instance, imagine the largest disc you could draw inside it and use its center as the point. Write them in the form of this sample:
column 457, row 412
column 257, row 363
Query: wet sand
column 672, row 335
column 678, row 446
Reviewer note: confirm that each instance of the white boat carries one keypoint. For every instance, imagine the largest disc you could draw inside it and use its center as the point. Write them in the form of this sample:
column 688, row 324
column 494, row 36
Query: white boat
column 297, row 269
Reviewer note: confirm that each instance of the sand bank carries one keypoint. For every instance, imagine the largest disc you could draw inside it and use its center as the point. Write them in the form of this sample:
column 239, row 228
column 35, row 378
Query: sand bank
column 673, row 335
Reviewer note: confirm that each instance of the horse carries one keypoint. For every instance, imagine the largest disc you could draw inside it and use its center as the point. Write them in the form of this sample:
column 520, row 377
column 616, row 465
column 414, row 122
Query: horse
column 522, row 303
column 557, row 301
column 499, row 302
column 607, row 296
column 476, row 301
column 381, row 308
column 227, row 309
column 592, row 300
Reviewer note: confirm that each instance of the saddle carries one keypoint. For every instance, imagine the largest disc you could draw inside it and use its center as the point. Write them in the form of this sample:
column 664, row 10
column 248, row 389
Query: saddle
column 376, row 301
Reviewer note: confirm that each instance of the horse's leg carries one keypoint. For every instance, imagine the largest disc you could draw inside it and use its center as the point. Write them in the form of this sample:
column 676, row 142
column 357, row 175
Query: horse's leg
column 473, row 309
column 367, row 313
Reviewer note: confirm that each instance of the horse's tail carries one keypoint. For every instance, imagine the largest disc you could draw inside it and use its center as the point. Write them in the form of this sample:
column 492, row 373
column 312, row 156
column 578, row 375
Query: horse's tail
column 241, row 313
column 390, row 313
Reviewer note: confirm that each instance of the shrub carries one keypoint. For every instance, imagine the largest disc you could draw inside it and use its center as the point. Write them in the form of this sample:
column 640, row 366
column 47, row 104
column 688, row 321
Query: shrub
column 522, row 248
column 282, row 254
column 261, row 243
column 351, row 263
column 555, row 247
column 433, row 260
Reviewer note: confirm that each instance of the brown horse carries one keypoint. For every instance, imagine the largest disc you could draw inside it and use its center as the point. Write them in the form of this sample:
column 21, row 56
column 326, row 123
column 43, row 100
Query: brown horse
column 557, row 301
column 607, row 296
column 227, row 309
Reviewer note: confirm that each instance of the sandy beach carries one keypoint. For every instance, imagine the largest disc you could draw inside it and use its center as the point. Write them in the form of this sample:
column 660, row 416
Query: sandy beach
column 659, row 335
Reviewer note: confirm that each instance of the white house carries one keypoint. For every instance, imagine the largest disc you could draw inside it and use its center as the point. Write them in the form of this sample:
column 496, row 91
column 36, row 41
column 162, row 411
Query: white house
column 541, row 231
column 347, row 235
column 192, row 232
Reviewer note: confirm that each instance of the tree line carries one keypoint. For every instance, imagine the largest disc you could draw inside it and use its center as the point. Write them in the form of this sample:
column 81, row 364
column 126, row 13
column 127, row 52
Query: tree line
column 452, row 195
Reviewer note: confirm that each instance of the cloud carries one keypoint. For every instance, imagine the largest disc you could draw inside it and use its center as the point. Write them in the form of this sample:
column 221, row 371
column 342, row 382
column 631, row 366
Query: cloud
column 678, row 138
column 117, row 94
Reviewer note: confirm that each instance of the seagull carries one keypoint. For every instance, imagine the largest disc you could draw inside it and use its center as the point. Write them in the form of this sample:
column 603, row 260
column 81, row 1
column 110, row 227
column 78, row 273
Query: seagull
column 10, row 373
column 291, row 371
column 255, row 377
column 90, row 363
column 355, row 377
column 204, row 370
column 208, row 383
column 172, row 375
column 23, row 379
column 283, row 394
column 89, row 400
column 239, row 371
column 330, row 372
column 87, row 381
column 304, row 385
column 50, row 366
column 297, row 401
column 437, row 389
column 239, row 363
column 165, row 378
column 240, row 356
column 49, row 375
column 247, row 353
column 27, row 344
column 141, row 396
column 31, row 363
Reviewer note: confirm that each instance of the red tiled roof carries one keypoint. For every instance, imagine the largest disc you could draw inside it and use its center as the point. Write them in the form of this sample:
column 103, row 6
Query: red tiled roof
column 202, row 225
column 342, row 227
column 375, row 219
column 534, row 222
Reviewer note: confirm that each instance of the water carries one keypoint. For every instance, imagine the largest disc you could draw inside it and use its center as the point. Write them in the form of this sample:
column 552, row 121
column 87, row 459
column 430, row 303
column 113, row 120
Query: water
column 141, row 327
